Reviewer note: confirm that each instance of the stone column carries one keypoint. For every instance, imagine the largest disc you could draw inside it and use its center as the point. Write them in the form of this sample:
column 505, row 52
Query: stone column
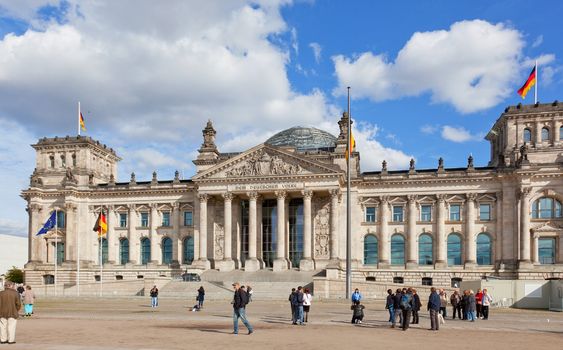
column 35, row 243
column 252, row 263
column 227, row 264
column 176, row 258
column 156, row 254
column 412, row 258
column 70, row 234
column 306, row 264
column 498, row 230
column 441, row 253
column 524, row 261
column 334, row 222
column 536, row 252
column 470, row 242
column 134, row 242
column 384, row 245
column 113, row 247
column 281, row 262
column 203, row 262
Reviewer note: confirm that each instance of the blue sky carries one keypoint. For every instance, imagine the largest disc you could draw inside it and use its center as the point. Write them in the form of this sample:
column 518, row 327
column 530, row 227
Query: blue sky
column 428, row 78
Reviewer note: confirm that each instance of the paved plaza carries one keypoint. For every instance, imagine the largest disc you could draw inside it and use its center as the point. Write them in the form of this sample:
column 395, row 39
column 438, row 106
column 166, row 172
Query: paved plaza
column 92, row 324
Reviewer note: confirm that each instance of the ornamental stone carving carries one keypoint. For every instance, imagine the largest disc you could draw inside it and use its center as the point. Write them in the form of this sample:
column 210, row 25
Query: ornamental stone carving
column 321, row 207
column 262, row 163
column 219, row 231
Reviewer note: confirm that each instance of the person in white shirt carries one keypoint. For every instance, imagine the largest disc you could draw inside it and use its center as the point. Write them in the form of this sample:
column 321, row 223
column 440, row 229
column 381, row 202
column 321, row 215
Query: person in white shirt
column 486, row 300
column 307, row 298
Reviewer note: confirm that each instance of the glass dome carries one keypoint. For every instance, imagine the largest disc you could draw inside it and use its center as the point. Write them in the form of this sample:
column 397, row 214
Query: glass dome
column 304, row 138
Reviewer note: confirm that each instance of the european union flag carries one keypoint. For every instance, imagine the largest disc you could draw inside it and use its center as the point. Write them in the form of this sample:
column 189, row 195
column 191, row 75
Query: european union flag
column 49, row 224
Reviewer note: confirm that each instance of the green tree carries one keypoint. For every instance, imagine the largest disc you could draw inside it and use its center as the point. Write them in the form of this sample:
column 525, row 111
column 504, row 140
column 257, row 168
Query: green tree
column 15, row 275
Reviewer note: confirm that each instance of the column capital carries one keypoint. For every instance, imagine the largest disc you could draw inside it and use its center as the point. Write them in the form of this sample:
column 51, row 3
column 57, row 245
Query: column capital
column 441, row 198
column 499, row 196
column 70, row 206
column 280, row 194
column 384, row 199
column 203, row 197
column 175, row 205
column 471, row 197
column 34, row 207
column 253, row 195
column 524, row 192
column 412, row 198
column 334, row 192
column 227, row 196
column 307, row 194
column 153, row 205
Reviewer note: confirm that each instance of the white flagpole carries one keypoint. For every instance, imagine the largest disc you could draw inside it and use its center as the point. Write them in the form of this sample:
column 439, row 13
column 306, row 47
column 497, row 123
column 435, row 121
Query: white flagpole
column 348, row 219
column 77, row 261
column 56, row 247
column 79, row 118
column 100, row 240
column 536, row 85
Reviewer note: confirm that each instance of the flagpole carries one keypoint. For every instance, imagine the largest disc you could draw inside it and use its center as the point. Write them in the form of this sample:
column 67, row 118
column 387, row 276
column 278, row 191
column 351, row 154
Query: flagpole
column 536, row 85
column 348, row 221
column 56, row 247
column 78, row 118
column 77, row 262
column 100, row 238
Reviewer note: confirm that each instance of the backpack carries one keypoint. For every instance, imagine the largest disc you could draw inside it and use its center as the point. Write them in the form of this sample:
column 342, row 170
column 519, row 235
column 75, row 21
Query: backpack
column 405, row 302
column 244, row 297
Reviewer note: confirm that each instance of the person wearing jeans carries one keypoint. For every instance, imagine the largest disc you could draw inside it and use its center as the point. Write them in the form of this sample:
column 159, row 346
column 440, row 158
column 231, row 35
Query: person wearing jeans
column 471, row 307
column 389, row 304
column 154, row 296
column 434, row 304
column 300, row 306
column 240, row 299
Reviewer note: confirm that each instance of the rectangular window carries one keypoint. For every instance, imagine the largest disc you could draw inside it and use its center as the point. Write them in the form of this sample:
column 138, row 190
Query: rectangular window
column 426, row 213
column 144, row 219
column 166, row 219
column 370, row 214
column 484, row 212
column 122, row 220
column 188, row 218
column 455, row 212
column 61, row 219
column 546, row 250
column 398, row 213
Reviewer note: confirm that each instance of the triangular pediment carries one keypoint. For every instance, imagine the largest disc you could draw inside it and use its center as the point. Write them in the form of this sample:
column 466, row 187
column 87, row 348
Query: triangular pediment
column 264, row 160
column 547, row 227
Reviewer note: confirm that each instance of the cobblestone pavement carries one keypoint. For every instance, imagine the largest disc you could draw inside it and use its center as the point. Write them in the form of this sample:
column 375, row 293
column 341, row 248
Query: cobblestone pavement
column 95, row 324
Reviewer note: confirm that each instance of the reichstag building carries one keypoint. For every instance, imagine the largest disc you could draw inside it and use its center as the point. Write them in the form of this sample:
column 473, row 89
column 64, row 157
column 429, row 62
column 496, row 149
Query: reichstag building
column 281, row 205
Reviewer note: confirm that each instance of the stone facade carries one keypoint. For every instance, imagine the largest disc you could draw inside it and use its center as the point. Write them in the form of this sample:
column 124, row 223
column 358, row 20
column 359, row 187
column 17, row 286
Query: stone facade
column 415, row 226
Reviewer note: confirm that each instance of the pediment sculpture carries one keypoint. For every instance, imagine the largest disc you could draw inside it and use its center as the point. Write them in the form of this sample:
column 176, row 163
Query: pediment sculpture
column 261, row 163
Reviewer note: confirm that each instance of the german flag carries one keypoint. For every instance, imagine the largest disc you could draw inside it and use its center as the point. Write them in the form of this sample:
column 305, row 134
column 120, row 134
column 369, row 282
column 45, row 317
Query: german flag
column 529, row 83
column 101, row 225
column 82, row 125
column 351, row 145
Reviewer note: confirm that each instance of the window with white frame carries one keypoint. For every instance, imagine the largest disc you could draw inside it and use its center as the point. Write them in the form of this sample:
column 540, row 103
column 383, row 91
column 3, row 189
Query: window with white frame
column 166, row 219
column 484, row 212
column 455, row 212
column 371, row 213
column 145, row 219
column 123, row 220
column 426, row 212
column 188, row 218
column 397, row 213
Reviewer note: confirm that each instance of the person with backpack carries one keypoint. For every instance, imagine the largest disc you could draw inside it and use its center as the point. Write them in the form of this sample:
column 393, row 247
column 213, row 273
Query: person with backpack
column 407, row 303
column 240, row 299
column 434, row 304
column 200, row 297
column 357, row 312
column 397, row 308
column 416, row 306
column 389, row 304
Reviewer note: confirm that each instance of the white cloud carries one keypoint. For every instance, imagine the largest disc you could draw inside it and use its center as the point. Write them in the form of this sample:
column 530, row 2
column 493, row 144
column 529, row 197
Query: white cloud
column 317, row 49
column 538, row 41
column 373, row 152
column 459, row 134
column 429, row 129
column 294, row 41
column 472, row 66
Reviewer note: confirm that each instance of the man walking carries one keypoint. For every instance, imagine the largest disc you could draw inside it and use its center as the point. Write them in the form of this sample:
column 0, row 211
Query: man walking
column 10, row 304
column 240, row 299
column 154, row 296
column 434, row 305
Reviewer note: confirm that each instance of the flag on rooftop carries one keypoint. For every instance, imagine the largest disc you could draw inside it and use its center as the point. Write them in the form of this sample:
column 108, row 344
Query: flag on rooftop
column 81, row 120
column 523, row 91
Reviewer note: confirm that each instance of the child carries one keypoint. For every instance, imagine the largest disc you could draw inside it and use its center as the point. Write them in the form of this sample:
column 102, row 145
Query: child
column 358, row 312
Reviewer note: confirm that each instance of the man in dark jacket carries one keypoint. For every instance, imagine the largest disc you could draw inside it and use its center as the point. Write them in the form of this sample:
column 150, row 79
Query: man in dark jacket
column 397, row 307
column 407, row 304
column 10, row 304
column 434, row 304
column 299, row 305
column 240, row 299
column 415, row 307
column 389, row 304
column 293, row 303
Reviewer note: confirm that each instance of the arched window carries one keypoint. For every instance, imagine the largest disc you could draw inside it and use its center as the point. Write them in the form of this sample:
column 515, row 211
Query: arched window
column 454, row 249
column 166, row 250
column 188, row 250
column 425, row 250
column 527, row 135
column 145, row 251
column 370, row 250
column 124, row 251
column 397, row 250
column 104, row 250
column 546, row 208
column 484, row 251
column 545, row 134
